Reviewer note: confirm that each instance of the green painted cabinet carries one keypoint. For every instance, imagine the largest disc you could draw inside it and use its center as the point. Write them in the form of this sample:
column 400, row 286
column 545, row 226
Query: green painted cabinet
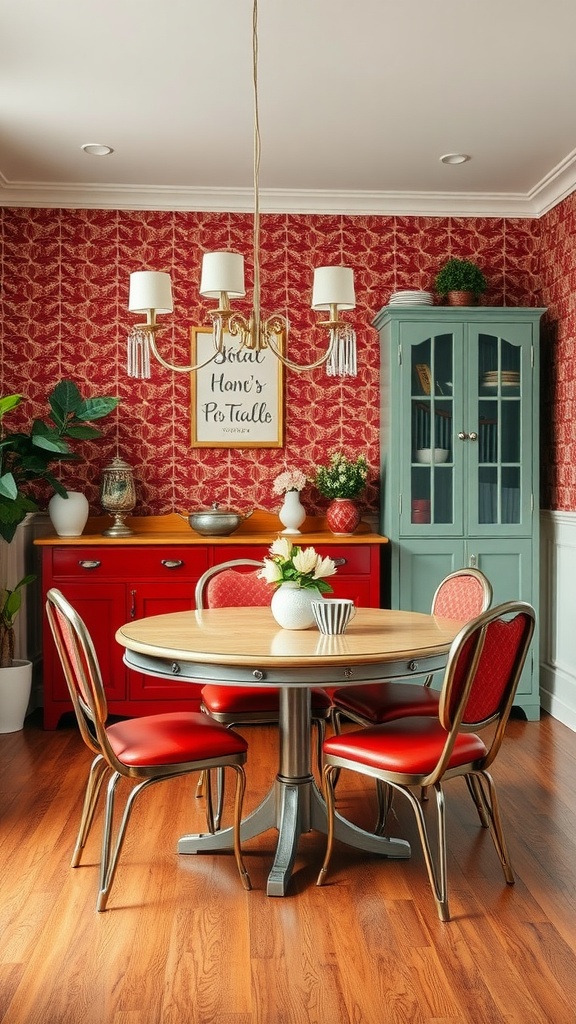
column 460, row 454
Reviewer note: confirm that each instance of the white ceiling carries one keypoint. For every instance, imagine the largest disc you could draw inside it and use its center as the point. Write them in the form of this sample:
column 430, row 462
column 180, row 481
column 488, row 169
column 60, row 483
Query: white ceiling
column 358, row 101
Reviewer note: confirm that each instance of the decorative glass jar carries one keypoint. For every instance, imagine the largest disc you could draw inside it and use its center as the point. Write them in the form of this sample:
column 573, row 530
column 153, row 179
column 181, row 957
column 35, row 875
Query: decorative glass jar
column 118, row 496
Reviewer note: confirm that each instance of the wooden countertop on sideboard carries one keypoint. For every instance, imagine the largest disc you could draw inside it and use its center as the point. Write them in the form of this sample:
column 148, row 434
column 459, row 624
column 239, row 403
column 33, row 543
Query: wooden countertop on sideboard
column 260, row 528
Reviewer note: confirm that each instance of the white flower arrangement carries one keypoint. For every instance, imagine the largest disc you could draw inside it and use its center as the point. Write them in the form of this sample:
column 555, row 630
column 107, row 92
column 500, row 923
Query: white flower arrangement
column 342, row 477
column 289, row 563
column 289, row 480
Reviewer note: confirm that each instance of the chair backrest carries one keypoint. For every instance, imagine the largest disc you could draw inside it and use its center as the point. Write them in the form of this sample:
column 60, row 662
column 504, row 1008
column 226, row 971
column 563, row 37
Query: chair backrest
column 81, row 669
column 463, row 594
column 230, row 585
column 482, row 674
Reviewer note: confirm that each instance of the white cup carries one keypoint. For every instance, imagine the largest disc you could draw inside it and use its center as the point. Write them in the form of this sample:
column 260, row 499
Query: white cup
column 332, row 615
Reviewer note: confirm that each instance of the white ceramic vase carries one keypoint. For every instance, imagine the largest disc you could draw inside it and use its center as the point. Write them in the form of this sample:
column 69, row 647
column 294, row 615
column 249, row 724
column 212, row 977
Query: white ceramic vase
column 69, row 515
column 15, row 688
column 291, row 605
column 292, row 514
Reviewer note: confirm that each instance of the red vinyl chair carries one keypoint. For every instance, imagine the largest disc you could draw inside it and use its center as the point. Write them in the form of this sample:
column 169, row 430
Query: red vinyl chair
column 142, row 750
column 480, row 681
column 463, row 595
column 232, row 585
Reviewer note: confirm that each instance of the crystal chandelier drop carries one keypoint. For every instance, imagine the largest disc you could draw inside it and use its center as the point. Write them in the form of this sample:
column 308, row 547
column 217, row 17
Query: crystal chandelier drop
column 222, row 279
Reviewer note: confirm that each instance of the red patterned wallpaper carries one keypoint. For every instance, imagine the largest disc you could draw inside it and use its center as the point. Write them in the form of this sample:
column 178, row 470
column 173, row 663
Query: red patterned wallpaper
column 63, row 314
column 558, row 277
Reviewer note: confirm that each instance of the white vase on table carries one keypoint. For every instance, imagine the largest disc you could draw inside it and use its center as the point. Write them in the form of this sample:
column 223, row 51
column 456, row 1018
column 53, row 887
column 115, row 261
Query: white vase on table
column 292, row 514
column 291, row 605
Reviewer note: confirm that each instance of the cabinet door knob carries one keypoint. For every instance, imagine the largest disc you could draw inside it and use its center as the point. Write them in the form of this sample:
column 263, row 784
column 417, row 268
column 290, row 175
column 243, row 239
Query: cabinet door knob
column 86, row 563
column 473, row 435
column 172, row 563
column 462, row 436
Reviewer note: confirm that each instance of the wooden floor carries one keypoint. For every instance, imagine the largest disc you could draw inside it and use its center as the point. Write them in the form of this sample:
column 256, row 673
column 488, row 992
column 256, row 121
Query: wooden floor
column 182, row 943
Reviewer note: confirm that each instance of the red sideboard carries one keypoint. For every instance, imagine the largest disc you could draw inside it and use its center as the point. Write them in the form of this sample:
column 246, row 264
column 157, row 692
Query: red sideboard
column 110, row 581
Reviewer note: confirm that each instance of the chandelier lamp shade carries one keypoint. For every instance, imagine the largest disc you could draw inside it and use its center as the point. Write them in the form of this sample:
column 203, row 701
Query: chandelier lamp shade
column 222, row 280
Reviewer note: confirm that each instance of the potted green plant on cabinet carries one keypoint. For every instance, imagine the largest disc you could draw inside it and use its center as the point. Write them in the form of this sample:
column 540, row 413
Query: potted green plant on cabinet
column 461, row 281
column 26, row 456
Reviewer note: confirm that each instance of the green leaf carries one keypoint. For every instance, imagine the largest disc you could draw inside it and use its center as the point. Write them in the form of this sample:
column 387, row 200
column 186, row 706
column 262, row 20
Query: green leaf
column 51, row 443
column 66, row 397
column 96, row 408
column 83, row 432
column 8, row 403
column 8, row 488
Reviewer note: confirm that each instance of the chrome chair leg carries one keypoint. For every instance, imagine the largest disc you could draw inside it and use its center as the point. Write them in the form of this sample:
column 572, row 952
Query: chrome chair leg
column 384, row 796
column 475, row 790
column 492, row 808
column 238, row 804
column 329, row 772
column 96, row 777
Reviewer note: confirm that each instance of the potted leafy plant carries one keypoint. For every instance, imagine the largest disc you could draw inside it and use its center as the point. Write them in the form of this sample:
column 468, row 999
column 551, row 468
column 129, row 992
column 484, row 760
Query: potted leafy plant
column 462, row 281
column 26, row 456
column 341, row 481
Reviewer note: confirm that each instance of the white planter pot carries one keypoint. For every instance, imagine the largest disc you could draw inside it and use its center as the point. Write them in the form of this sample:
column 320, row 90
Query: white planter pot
column 15, row 688
column 69, row 515
column 291, row 606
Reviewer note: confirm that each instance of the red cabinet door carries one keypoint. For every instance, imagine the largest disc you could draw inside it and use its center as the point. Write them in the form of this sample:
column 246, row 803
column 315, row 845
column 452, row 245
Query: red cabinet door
column 102, row 606
column 160, row 599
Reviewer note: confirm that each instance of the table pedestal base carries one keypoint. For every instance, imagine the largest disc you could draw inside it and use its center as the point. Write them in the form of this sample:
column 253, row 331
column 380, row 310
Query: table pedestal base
column 294, row 805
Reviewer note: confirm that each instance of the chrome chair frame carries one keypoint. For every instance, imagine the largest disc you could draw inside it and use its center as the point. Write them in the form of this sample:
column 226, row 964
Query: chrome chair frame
column 337, row 715
column 457, row 701
column 83, row 677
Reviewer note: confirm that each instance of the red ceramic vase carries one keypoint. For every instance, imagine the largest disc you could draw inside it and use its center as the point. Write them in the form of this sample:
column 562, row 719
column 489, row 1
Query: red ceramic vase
column 342, row 516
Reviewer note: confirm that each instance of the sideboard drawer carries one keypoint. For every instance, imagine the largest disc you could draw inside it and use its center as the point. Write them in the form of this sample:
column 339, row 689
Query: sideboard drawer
column 348, row 559
column 355, row 559
column 130, row 563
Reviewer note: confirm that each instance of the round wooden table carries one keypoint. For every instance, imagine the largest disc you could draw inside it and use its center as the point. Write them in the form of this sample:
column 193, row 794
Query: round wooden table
column 246, row 647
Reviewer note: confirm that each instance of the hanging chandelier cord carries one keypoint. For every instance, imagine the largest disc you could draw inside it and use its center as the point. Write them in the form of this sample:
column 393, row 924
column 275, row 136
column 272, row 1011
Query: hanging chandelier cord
column 340, row 356
column 257, row 152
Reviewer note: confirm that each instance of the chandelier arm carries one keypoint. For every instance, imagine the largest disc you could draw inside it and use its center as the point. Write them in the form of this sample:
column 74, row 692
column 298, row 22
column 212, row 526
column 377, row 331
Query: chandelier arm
column 179, row 369
column 302, row 366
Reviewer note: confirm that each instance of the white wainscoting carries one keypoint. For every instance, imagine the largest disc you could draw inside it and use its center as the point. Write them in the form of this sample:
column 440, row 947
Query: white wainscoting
column 558, row 615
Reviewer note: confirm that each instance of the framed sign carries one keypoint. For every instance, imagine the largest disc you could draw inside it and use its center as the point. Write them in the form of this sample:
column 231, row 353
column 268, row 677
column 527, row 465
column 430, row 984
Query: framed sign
column 237, row 402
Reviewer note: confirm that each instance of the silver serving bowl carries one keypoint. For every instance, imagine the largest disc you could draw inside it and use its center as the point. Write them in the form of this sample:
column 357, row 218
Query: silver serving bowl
column 216, row 521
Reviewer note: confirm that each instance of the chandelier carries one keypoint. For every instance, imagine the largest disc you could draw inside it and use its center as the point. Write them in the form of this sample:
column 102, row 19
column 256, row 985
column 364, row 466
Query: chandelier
column 222, row 279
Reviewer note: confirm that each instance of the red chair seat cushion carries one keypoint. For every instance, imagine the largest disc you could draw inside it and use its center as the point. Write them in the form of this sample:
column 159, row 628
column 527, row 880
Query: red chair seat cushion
column 410, row 746
column 384, row 702
column 174, row 738
column 234, row 700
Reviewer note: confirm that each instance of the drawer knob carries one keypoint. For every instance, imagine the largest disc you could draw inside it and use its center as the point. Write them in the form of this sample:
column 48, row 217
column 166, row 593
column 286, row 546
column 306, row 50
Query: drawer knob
column 172, row 563
column 412, row 666
column 86, row 563
column 340, row 561
column 175, row 668
column 258, row 674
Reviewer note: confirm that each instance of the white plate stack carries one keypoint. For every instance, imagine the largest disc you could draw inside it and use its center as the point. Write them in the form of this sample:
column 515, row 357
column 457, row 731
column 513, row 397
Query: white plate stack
column 411, row 298
column 506, row 378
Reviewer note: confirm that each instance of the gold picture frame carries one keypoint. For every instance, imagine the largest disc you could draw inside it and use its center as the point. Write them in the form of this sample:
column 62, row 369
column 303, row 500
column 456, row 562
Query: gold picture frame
column 237, row 402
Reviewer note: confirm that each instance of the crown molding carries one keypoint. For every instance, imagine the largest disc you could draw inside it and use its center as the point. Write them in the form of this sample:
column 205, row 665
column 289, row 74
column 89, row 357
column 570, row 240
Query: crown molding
column 551, row 190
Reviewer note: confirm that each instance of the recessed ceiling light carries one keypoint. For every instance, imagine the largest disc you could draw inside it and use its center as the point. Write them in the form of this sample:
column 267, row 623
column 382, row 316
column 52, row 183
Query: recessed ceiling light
column 455, row 158
column 97, row 149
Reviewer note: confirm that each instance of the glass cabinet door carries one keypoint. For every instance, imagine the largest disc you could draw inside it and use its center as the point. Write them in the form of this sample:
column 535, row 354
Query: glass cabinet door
column 500, row 416
column 432, row 482
column 468, row 392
